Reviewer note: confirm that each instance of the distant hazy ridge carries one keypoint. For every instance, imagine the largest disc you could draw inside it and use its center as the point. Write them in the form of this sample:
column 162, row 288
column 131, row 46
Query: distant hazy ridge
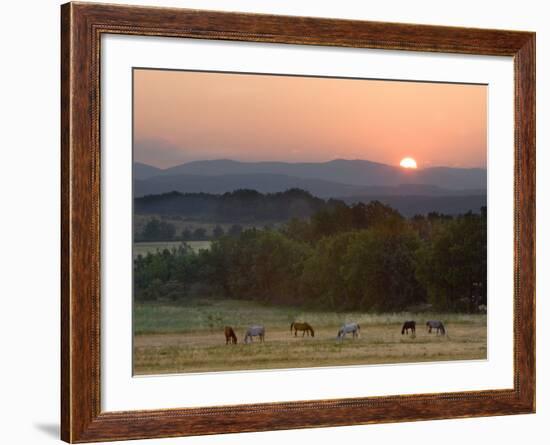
column 328, row 179
column 440, row 189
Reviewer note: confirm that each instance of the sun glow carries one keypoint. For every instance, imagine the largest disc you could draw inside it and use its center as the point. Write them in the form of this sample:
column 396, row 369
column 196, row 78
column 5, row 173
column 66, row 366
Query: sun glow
column 408, row 163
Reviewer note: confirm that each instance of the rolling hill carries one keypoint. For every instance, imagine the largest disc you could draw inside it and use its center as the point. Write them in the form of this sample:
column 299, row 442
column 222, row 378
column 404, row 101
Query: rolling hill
column 327, row 179
column 351, row 172
column 440, row 189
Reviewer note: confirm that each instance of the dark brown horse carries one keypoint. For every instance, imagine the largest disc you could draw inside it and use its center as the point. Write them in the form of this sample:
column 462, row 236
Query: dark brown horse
column 411, row 324
column 304, row 327
column 230, row 337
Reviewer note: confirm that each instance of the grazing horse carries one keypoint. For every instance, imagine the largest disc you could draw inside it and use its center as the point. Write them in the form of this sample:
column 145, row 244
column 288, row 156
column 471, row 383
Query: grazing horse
column 437, row 325
column 254, row 331
column 354, row 328
column 230, row 337
column 411, row 324
column 304, row 327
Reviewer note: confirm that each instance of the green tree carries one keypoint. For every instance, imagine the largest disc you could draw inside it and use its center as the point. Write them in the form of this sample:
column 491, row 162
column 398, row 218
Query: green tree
column 235, row 230
column 261, row 265
column 379, row 269
column 367, row 269
column 298, row 230
column 186, row 234
column 199, row 234
column 167, row 274
column 453, row 265
column 157, row 230
column 322, row 283
column 217, row 232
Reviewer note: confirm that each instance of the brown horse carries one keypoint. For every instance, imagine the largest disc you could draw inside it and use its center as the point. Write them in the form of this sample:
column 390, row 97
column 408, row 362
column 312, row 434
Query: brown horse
column 230, row 337
column 304, row 327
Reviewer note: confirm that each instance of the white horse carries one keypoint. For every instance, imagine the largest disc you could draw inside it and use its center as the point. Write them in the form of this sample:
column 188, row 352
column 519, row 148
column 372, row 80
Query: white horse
column 437, row 325
column 354, row 328
column 254, row 331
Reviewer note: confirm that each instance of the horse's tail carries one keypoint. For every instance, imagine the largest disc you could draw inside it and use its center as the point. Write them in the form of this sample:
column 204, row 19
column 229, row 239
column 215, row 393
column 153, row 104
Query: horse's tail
column 442, row 329
column 291, row 326
column 403, row 330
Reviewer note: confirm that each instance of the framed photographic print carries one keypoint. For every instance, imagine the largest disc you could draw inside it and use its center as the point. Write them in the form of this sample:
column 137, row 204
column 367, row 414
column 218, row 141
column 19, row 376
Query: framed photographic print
column 276, row 222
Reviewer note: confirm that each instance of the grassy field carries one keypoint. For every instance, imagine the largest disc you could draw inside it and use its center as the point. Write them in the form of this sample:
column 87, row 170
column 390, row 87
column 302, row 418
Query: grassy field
column 189, row 338
column 143, row 248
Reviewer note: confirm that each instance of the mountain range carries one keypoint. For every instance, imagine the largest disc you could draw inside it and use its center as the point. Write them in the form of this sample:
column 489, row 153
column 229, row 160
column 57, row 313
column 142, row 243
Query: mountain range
column 339, row 178
column 438, row 189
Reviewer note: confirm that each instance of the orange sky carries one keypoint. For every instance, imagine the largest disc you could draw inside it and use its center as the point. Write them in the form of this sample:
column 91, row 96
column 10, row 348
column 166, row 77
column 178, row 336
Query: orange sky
column 183, row 116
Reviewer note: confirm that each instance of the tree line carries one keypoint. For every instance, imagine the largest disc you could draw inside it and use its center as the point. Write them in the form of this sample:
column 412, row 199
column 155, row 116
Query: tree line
column 239, row 206
column 158, row 230
column 347, row 257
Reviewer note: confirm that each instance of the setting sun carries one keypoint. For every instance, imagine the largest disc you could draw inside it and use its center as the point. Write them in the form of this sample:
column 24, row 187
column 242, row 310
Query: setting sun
column 408, row 163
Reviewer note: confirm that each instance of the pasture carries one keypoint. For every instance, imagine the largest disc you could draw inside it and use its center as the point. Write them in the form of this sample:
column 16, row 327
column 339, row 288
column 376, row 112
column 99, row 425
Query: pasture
column 190, row 338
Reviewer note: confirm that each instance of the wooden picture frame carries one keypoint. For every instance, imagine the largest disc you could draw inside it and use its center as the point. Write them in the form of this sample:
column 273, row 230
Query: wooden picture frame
column 82, row 26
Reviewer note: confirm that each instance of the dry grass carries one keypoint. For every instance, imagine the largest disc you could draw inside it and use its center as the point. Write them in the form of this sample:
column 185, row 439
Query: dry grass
column 199, row 343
